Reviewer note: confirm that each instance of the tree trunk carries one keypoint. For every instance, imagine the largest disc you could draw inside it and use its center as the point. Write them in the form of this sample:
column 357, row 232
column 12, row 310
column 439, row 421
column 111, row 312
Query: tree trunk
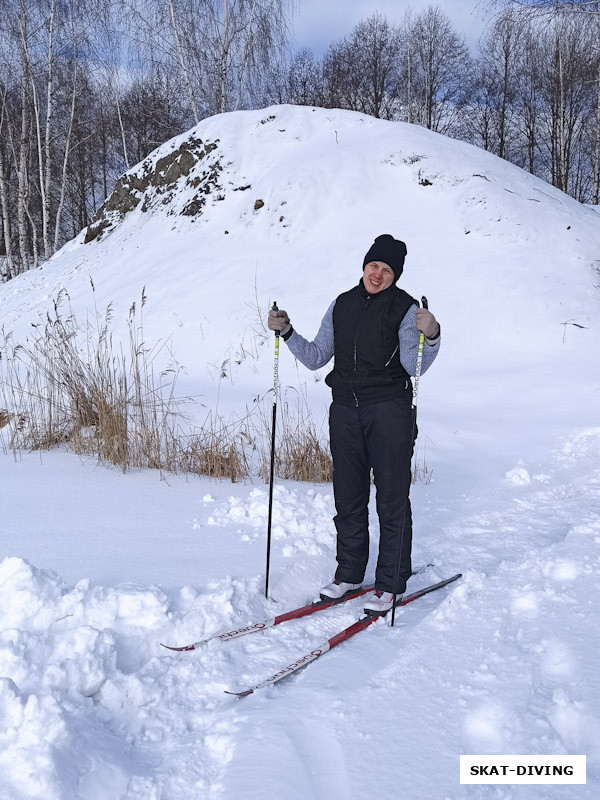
column 48, row 158
column 121, row 129
column 502, row 131
column 5, row 221
column 63, row 182
column 186, row 75
column 247, row 49
column 4, row 205
column 561, row 124
column 409, row 81
column 22, row 185
column 43, row 147
column 224, row 55
column 597, row 143
column 40, row 158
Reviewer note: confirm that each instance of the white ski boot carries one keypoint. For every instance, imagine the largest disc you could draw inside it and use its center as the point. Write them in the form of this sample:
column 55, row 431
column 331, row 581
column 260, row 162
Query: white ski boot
column 380, row 603
column 337, row 589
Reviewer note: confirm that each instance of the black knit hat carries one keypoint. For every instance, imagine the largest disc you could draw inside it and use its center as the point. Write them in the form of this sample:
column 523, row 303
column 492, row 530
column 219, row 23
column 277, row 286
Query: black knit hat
column 389, row 250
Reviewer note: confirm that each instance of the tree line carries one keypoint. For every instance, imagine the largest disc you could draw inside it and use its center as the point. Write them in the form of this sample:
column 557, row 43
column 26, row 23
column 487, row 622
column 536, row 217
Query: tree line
column 87, row 90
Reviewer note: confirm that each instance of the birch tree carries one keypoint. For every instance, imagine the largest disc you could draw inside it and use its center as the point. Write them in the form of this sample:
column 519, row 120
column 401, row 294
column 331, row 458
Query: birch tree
column 502, row 56
column 442, row 68
column 303, row 80
column 529, row 103
column 223, row 49
column 8, row 271
column 587, row 12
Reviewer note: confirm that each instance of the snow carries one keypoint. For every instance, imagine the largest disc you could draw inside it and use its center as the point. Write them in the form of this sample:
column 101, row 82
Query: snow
column 98, row 567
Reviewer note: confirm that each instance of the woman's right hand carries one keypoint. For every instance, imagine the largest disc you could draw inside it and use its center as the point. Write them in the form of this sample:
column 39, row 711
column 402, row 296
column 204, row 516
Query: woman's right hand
column 278, row 321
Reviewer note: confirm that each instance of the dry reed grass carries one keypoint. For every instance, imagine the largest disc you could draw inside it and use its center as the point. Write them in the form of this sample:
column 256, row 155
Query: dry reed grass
column 68, row 384
column 301, row 453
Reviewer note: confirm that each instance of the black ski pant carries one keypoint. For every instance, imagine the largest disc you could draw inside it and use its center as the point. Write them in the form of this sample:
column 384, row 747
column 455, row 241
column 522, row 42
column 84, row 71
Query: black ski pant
column 375, row 436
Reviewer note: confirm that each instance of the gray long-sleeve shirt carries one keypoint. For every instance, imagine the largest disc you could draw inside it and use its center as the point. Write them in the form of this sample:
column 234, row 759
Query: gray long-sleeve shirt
column 317, row 353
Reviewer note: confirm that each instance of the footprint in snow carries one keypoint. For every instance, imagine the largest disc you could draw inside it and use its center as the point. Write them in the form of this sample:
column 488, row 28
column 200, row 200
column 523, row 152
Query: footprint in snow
column 562, row 570
column 525, row 605
column 557, row 661
column 485, row 729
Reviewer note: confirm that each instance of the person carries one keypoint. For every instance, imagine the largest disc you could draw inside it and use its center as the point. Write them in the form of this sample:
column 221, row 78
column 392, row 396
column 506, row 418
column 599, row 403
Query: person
column 372, row 332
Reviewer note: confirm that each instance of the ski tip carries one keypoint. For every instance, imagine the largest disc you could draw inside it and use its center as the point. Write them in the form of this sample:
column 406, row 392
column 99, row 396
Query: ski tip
column 179, row 649
column 240, row 694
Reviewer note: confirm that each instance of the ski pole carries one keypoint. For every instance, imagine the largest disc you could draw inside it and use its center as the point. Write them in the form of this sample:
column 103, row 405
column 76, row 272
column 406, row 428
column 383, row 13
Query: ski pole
column 272, row 470
column 411, row 443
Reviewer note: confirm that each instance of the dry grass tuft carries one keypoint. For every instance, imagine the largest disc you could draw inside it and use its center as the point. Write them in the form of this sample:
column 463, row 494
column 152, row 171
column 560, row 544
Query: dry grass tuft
column 215, row 451
column 421, row 472
column 301, row 452
column 304, row 457
column 67, row 385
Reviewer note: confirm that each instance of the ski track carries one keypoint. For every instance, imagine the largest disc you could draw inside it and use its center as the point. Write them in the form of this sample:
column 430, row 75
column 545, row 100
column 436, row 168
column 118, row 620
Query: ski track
column 493, row 659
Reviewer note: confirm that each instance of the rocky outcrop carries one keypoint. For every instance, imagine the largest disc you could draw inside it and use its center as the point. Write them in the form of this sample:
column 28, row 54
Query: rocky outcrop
column 166, row 181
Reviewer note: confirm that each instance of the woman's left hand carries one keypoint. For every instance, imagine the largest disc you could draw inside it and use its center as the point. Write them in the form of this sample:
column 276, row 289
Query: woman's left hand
column 427, row 323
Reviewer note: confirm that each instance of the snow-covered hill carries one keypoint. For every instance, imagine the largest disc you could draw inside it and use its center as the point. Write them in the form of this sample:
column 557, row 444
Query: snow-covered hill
column 507, row 262
column 508, row 418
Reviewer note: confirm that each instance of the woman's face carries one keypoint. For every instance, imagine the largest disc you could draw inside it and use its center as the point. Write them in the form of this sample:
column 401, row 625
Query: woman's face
column 377, row 276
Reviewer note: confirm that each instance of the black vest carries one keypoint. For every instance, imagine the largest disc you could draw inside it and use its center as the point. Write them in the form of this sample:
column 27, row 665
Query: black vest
column 367, row 366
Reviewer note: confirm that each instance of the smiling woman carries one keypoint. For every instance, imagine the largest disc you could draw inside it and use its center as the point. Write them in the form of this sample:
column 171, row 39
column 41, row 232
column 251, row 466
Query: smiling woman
column 372, row 332
column 377, row 276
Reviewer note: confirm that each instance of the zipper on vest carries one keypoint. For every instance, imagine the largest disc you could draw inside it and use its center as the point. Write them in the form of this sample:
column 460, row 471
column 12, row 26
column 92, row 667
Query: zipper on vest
column 387, row 363
column 362, row 313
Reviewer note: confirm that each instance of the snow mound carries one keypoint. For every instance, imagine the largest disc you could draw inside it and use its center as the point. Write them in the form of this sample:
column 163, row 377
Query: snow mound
column 58, row 648
column 518, row 476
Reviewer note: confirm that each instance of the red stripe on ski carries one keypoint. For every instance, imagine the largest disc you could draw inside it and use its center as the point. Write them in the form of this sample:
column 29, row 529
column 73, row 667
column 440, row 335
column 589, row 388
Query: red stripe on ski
column 319, row 605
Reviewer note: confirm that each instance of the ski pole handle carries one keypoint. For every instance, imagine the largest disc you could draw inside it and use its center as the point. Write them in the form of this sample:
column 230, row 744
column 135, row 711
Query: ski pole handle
column 274, row 308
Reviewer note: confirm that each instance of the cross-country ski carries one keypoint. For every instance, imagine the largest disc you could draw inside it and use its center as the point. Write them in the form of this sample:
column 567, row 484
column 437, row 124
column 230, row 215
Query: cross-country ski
column 361, row 625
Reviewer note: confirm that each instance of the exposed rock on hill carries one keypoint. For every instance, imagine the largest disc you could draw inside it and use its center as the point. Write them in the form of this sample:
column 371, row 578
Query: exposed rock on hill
column 161, row 181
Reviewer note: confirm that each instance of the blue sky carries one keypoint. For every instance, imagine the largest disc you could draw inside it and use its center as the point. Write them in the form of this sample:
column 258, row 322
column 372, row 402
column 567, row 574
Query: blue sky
column 320, row 22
